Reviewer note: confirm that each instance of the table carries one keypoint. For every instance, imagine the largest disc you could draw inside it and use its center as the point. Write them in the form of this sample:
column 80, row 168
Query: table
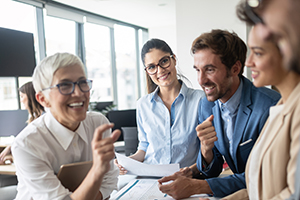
column 8, row 169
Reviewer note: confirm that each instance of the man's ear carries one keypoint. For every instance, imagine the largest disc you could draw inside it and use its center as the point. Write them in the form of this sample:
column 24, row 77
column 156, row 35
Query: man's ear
column 236, row 68
column 40, row 97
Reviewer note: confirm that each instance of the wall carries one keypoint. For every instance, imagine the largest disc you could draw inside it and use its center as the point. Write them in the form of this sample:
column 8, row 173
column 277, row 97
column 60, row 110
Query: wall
column 194, row 17
column 166, row 33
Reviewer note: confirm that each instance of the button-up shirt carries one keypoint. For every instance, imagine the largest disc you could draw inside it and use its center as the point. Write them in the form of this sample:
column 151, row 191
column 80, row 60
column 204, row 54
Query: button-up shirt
column 229, row 111
column 44, row 145
column 169, row 137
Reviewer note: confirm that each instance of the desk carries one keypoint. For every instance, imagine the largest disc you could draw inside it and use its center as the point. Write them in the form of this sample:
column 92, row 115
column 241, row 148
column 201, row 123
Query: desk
column 8, row 169
column 133, row 187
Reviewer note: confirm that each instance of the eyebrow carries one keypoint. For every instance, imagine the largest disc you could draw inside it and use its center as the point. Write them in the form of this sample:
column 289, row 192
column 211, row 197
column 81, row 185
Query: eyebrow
column 158, row 61
column 205, row 66
column 68, row 80
column 259, row 48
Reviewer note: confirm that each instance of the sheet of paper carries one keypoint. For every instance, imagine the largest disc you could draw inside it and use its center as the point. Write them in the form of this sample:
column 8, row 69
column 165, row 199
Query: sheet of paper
column 144, row 189
column 141, row 169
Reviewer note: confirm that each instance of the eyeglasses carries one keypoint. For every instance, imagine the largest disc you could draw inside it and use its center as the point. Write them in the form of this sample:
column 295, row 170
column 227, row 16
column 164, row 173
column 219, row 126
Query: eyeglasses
column 164, row 63
column 251, row 4
column 68, row 87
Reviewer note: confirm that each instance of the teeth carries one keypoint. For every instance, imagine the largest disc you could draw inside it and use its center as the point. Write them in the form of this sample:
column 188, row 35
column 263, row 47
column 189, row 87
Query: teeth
column 76, row 104
column 162, row 77
column 209, row 88
column 254, row 73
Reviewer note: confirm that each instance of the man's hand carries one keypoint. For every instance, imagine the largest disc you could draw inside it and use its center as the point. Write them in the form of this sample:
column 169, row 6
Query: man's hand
column 186, row 171
column 103, row 149
column 182, row 186
column 207, row 136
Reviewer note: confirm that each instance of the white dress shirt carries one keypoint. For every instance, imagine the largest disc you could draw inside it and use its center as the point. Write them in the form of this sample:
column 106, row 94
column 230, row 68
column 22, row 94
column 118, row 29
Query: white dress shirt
column 44, row 145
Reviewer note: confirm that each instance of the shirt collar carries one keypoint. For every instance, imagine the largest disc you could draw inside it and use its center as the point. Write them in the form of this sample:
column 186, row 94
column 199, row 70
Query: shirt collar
column 63, row 135
column 183, row 91
column 233, row 103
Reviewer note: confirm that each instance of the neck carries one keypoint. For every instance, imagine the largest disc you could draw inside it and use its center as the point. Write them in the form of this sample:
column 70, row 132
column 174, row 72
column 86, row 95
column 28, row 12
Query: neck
column 170, row 93
column 287, row 85
column 232, row 90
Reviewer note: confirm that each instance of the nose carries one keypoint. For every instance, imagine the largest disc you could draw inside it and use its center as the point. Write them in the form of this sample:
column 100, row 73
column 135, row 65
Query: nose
column 77, row 91
column 202, row 79
column 249, row 61
column 159, row 69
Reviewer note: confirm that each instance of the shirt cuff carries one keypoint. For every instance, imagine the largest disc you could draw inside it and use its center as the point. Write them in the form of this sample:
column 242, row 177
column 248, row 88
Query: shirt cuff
column 206, row 167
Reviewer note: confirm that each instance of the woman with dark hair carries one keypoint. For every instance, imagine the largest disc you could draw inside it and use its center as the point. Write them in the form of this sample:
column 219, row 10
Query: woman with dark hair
column 167, row 115
column 271, row 166
column 27, row 95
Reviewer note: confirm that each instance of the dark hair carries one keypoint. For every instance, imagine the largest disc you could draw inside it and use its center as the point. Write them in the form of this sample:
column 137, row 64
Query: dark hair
column 227, row 45
column 241, row 12
column 34, row 108
column 148, row 46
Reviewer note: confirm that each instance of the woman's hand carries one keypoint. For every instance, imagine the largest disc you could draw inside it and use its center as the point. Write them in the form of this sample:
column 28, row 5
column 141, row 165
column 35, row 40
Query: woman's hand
column 122, row 171
column 103, row 148
column 5, row 155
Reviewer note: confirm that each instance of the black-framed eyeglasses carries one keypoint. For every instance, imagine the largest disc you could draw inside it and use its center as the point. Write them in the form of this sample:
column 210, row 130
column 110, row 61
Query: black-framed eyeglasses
column 252, row 4
column 68, row 87
column 164, row 63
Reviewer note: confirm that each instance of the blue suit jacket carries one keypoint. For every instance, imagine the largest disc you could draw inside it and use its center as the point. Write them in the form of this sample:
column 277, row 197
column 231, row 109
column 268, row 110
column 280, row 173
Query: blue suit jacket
column 252, row 114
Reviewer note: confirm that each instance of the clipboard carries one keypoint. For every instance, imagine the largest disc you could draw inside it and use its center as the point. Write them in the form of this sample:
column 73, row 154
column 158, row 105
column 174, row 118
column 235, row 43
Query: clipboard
column 71, row 175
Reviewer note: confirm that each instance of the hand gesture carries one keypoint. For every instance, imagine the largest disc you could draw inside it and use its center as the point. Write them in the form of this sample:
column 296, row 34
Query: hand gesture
column 103, row 149
column 207, row 136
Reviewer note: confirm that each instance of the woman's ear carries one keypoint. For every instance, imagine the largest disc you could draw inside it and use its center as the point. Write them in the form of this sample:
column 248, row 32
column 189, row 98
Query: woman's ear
column 40, row 97
column 175, row 58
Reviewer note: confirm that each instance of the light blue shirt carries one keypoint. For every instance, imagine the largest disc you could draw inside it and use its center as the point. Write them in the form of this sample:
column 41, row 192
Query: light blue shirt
column 169, row 137
column 229, row 111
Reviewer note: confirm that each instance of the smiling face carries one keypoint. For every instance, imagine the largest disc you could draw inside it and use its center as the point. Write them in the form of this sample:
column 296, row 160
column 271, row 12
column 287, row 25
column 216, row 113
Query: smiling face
column 264, row 60
column 164, row 77
column 214, row 77
column 69, row 110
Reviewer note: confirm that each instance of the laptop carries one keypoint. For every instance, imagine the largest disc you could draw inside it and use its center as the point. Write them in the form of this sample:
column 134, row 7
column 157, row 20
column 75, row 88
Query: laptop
column 71, row 175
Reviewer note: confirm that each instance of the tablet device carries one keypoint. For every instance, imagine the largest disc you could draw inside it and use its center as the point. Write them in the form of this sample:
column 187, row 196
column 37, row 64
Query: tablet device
column 71, row 175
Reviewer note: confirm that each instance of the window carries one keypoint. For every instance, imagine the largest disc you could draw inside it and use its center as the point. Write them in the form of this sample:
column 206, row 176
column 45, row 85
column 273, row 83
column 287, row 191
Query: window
column 126, row 65
column 98, row 61
column 60, row 35
column 109, row 50
column 8, row 94
column 21, row 17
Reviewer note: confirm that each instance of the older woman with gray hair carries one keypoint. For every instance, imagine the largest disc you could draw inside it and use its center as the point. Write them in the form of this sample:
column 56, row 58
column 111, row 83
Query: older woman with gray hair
column 66, row 133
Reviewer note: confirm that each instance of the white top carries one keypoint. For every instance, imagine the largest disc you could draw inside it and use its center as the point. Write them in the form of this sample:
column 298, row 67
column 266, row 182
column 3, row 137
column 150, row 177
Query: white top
column 44, row 145
column 256, row 153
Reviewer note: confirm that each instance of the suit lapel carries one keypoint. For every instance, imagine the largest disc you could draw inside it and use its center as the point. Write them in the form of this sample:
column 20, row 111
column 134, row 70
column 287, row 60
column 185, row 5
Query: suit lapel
column 243, row 115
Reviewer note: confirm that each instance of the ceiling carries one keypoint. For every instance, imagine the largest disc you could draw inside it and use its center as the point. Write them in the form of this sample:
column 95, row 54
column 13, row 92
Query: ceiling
column 144, row 13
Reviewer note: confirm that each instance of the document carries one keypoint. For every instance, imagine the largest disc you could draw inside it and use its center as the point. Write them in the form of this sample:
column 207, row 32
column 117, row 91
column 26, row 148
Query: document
column 141, row 169
column 144, row 189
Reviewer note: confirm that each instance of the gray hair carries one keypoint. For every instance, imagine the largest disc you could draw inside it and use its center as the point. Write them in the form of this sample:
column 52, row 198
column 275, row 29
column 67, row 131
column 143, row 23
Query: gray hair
column 43, row 73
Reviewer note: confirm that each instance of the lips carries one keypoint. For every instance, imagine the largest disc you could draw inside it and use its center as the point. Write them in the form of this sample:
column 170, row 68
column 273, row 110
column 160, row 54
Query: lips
column 254, row 74
column 208, row 89
column 163, row 77
column 76, row 104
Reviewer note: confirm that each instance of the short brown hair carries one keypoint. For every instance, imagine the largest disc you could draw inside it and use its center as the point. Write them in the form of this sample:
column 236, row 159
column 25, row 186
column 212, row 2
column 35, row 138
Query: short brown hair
column 227, row 45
